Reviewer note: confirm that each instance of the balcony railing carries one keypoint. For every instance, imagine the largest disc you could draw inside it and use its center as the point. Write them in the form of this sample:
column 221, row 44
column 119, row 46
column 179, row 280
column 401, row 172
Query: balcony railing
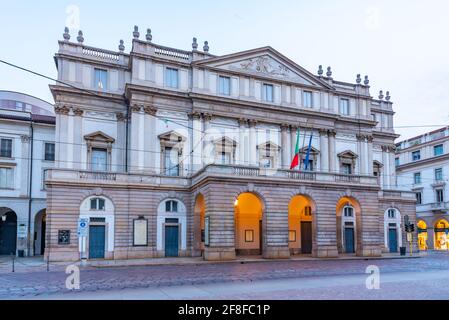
column 211, row 170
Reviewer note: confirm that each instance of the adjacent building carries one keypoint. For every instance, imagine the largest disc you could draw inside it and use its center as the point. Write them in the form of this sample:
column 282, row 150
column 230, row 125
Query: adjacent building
column 164, row 152
column 422, row 165
column 27, row 149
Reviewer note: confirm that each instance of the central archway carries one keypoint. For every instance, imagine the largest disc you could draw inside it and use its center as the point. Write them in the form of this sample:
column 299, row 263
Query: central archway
column 248, row 215
column 300, row 225
column 348, row 225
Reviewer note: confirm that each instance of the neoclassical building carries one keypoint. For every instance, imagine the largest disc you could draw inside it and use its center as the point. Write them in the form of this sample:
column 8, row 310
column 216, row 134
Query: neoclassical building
column 164, row 152
column 422, row 164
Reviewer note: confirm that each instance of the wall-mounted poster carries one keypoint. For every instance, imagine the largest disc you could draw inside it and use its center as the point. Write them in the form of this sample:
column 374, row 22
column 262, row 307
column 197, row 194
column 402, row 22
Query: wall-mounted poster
column 140, row 232
column 63, row 237
column 206, row 231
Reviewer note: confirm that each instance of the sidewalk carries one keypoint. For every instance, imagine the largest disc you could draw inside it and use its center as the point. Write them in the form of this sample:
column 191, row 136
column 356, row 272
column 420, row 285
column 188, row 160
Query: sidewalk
column 35, row 264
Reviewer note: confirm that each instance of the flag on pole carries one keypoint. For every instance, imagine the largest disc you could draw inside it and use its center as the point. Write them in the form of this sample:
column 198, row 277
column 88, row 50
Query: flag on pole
column 306, row 162
column 295, row 161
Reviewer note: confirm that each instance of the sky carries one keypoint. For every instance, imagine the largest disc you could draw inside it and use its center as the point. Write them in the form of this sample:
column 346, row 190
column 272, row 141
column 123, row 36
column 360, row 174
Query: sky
column 403, row 46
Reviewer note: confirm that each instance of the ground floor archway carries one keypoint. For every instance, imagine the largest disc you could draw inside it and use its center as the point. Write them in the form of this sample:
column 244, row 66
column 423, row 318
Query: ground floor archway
column 422, row 236
column 200, row 232
column 300, row 225
column 348, row 225
column 248, row 217
column 39, row 232
column 441, row 232
column 8, row 232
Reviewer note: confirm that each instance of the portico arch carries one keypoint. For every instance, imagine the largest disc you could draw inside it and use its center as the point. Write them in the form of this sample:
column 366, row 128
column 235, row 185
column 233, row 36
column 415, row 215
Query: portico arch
column 199, row 232
column 349, row 235
column 39, row 232
column 248, row 217
column 301, row 216
column 392, row 229
column 441, row 230
column 8, row 231
column 422, row 235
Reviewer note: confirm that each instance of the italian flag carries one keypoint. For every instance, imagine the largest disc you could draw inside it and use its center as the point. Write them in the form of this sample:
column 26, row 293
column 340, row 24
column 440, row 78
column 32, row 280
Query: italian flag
column 295, row 161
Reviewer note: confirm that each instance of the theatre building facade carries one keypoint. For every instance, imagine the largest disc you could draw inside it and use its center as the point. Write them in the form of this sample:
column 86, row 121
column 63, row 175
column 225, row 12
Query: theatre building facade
column 162, row 152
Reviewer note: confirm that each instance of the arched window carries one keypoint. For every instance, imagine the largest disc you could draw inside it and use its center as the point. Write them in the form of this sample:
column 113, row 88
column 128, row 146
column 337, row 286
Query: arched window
column 171, row 206
column 391, row 213
column 97, row 204
column 348, row 211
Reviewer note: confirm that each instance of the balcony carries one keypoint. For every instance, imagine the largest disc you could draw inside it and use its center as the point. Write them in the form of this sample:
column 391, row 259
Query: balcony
column 69, row 176
column 439, row 206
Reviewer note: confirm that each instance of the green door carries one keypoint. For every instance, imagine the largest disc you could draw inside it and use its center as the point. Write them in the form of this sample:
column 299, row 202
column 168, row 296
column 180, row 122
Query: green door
column 96, row 242
column 171, row 241
column 393, row 240
column 8, row 234
column 349, row 240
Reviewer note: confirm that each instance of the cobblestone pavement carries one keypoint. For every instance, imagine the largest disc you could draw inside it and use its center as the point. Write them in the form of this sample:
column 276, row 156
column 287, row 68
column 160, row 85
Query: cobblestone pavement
column 38, row 283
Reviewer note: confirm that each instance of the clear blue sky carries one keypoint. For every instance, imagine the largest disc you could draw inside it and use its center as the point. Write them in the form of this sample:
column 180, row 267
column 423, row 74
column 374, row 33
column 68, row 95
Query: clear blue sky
column 402, row 45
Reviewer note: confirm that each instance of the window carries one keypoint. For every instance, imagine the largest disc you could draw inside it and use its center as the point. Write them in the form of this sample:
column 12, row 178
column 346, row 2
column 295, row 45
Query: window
column 97, row 204
column 308, row 211
column 49, row 151
column 99, row 159
column 171, row 77
column 438, row 150
column 439, row 174
column 417, row 178
column 225, row 158
column 346, row 168
column 266, row 162
column 396, row 161
column 171, row 162
column 6, row 148
column 418, row 197
column 348, row 211
column 101, row 79
column 344, row 106
column 267, row 92
column 6, row 178
column 307, row 99
column 171, row 206
column 416, row 155
column 309, row 165
column 391, row 213
column 224, row 85
column 439, row 195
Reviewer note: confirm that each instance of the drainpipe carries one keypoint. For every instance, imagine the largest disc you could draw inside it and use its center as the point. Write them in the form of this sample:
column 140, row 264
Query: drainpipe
column 30, row 188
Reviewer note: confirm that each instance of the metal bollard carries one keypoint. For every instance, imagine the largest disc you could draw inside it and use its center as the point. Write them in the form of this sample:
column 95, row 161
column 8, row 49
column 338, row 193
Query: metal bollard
column 48, row 264
column 13, row 261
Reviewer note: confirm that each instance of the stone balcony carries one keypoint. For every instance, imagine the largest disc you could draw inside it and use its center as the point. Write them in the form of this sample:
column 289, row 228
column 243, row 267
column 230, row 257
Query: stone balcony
column 211, row 171
column 435, row 207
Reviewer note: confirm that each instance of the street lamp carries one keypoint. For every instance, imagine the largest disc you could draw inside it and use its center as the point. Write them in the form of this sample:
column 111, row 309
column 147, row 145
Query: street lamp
column 4, row 217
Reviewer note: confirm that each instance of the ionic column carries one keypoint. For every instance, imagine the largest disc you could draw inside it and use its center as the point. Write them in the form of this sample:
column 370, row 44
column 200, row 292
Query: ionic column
column 332, row 154
column 137, row 145
column 252, row 143
column 207, row 147
column 386, row 167
column 284, row 145
column 197, row 154
column 293, row 133
column 241, row 145
column 324, row 151
column 369, row 147
column 78, row 162
column 150, row 140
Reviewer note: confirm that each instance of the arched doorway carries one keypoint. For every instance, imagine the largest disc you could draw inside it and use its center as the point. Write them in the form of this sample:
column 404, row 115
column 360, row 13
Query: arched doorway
column 441, row 235
column 348, row 225
column 422, row 235
column 171, row 228
column 199, row 210
column 392, row 229
column 39, row 232
column 8, row 231
column 300, row 228
column 248, row 215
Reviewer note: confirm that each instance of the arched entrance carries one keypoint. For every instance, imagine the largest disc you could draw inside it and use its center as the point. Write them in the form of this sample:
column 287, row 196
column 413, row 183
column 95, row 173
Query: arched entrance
column 348, row 225
column 39, row 232
column 422, row 235
column 248, row 215
column 300, row 228
column 171, row 228
column 392, row 229
column 199, row 210
column 8, row 231
column 441, row 235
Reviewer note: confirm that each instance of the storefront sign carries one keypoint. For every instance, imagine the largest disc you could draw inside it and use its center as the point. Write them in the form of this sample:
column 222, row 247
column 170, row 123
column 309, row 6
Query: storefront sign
column 22, row 231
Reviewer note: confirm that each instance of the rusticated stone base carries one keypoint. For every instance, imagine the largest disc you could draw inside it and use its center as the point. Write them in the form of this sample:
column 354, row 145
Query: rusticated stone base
column 370, row 251
column 325, row 252
column 217, row 254
column 276, row 253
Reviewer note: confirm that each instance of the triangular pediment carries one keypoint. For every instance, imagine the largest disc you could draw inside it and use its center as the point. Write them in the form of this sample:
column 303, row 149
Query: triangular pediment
column 99, row 136
column 268, row 145
column 312, row 150
column 347, row 154
column 225, row 141
column 267, row 63
column 172, row 136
